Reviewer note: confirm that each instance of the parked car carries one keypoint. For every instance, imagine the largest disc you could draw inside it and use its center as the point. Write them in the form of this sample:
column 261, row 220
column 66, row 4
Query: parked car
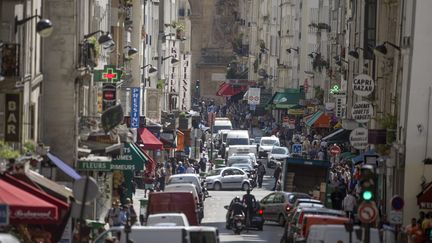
column 187, row 178
column 266, row 145
column 308, row 201
column 176, row 219
column 227, row 178
column 277, row 154
column 277, row 205
column 296, row 217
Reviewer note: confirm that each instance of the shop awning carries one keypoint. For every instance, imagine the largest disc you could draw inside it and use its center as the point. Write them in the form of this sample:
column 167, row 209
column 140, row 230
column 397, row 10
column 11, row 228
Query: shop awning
column 150, row 163
column 64, row 167
column 287, row 99
column 424, row 198
column 25, row 208
column 62, row 206
column 338, row 136
column 49, row 185
column 311, row 120
column 230, row 90
column 149, row 141
column 180, row 141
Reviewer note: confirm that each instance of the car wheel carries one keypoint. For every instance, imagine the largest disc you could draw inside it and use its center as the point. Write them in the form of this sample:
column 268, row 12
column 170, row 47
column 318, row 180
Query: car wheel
column 245, row 186
column 217, row 186
column 281, row 220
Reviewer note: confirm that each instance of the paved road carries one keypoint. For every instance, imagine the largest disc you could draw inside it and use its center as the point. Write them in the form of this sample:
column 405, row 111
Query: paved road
column 215, row 216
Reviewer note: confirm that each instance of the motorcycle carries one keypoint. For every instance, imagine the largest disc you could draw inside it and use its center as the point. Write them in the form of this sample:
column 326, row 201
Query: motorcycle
column 253, row 178
column 204, row 189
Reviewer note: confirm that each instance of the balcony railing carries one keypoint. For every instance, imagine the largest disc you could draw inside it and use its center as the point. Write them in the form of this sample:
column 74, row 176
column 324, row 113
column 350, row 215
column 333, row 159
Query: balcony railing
column 9, row 56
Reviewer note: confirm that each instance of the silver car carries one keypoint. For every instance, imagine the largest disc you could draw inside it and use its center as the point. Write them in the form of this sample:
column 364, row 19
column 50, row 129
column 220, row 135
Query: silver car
column 227, row 178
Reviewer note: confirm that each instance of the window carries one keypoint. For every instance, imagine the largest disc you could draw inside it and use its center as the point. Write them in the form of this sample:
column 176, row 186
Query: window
column 279, row 198
column 227, row 173
column 269, row 198
column 237, row 172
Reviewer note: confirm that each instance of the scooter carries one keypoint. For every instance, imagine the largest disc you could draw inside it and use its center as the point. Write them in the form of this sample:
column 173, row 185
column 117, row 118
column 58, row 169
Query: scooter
column 253, row 178
column 238, row 223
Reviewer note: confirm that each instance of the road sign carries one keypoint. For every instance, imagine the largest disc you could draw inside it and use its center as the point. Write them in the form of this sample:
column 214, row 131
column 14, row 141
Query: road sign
column 335, row 150
column 367, row 212
column 397, row 203
column 362, row 111
column 296, row 149
column 359, row 138
column 363, row 85
column 4, row 214
column 395, row 217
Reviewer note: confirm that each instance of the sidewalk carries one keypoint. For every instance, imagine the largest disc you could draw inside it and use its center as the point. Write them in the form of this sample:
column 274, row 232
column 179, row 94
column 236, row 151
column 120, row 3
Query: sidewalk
column 139, row 194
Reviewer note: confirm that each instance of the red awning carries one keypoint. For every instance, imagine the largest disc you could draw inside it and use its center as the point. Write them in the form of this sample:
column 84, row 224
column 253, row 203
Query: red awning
column 151, row 164
column 25, row 208
column 149, row 140
column 230, row 90
column 62, row 206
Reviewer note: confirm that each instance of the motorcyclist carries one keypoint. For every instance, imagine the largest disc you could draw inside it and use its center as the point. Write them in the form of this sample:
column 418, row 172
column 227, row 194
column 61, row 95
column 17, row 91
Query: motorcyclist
column 250, row 202
column 236, row 208
column 261, row 171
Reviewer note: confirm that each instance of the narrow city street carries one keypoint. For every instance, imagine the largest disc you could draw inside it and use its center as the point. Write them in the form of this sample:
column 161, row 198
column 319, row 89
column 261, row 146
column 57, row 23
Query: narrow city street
column 215, row 216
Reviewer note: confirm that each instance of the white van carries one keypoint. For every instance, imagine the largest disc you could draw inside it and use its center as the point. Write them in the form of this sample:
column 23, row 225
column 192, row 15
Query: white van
column 337, row 233
column 266, row 145
column 236, row 137
column 173, row 234
column 221, row 124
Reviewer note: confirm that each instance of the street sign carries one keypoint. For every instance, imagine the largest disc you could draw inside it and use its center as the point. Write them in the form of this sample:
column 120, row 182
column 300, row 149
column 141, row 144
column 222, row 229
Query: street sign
column 395, row 217
column 397, row 203
column 254, row 95
column 359, row 138
column 252, row 107
column 367, row 212
column 335, row 150
column 362, row 111
column 4, row 214
column 296, row 148
column 363, row 85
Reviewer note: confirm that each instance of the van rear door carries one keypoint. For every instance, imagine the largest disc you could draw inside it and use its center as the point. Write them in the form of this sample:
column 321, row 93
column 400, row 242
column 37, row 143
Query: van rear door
column 174, row 202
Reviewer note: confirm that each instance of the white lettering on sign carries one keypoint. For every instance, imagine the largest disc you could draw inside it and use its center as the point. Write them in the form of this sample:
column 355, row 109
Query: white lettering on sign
column 362, row 111
column 359, row 138
column 122, row 167
column 12, row 119
column 30, row 214
column 363, row 85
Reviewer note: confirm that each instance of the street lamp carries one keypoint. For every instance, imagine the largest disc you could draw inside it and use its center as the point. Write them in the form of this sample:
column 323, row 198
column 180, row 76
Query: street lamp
column 311, row 55
column 339, row 60
column 381, row 49
column 294, row 49
column 104, row 40
column 174, row 60
column 132, row 52
column 151, row 69
column 354, row 53
column 44, row 27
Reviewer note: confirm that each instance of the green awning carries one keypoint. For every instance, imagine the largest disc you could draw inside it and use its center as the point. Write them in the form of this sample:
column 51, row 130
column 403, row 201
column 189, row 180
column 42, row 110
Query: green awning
column 287, row 99
column 131, row 159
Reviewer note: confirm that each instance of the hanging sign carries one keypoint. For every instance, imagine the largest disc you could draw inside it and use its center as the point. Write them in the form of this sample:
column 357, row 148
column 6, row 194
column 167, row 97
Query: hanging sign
column 108, row 95
column 12, row 118
column 363, row 85
column 362, row 111
column 110, row 74
column 135, row 108
column 359, row 138
column 254, row 96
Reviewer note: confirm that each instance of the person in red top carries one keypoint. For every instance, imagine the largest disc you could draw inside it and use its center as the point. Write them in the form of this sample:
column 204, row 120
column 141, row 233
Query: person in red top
column 414, row 232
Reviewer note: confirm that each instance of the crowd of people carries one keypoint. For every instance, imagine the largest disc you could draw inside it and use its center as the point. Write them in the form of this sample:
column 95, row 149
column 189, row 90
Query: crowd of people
column 420, row 230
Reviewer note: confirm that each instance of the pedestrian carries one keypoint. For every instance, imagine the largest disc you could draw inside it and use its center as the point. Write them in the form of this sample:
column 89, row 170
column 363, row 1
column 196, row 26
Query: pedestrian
column 133, row 186
column 148, row 182
column 190, row 169
column 349, row 204
column 168, row 171
column 261, row 171
column 277, row 173
column 180, row 168
column 162, row 177
column 113, row 215
column 414, row 232
column 202, row 163
column 131, row 213
column 336, row 199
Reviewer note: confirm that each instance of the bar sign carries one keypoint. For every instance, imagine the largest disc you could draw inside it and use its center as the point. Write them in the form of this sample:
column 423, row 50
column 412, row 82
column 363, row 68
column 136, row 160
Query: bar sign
column 12, row 118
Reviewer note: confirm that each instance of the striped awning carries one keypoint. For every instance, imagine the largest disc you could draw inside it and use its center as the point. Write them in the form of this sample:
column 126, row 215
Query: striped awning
column 312, row 119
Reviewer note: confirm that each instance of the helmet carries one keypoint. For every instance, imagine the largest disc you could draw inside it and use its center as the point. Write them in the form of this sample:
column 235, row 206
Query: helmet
column 237, row 199
column 248, row 190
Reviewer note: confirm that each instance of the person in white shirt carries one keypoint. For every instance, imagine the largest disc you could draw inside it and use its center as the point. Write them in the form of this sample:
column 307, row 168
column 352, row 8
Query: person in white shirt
column 349, row 204
column 190, row 170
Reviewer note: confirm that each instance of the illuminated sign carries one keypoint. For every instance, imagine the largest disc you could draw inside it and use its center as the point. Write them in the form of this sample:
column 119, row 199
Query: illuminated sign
column 110, row 74
column 334, row 89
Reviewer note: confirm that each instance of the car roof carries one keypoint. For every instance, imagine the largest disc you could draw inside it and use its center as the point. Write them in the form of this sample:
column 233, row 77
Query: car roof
column 181, row 185
column 184, row 175
column 323, row 210
column 309, row 200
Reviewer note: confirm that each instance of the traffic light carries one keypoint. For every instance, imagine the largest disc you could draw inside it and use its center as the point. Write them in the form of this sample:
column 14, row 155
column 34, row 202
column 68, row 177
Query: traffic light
column 367, row 183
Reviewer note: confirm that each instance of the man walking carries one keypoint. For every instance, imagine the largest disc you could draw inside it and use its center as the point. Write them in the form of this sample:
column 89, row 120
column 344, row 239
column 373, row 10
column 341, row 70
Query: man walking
column 261, row 171
column 277, row 173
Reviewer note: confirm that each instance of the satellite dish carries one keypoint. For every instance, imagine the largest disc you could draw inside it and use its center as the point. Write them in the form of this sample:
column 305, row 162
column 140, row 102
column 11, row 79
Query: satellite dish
column 262, row 72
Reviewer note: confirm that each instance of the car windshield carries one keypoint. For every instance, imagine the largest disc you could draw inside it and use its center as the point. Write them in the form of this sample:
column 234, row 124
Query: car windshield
column 268, row 142
column 279, row 151
column 242, row 166
column 257, row 139
column 239, row 160
column 214, row 172
column 217, row 128
column 237, row 141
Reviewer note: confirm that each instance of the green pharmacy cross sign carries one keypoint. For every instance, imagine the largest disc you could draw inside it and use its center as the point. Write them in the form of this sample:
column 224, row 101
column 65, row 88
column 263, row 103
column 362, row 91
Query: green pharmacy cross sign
column 110, row 74
column 334, row 89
